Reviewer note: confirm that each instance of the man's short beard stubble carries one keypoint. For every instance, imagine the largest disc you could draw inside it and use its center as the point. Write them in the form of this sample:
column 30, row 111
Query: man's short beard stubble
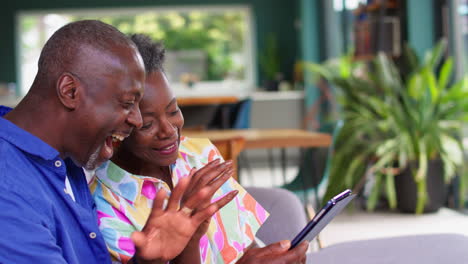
column 91, row 164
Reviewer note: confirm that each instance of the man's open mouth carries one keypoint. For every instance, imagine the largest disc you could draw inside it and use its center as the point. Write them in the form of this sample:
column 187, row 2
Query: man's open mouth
column 112, row 141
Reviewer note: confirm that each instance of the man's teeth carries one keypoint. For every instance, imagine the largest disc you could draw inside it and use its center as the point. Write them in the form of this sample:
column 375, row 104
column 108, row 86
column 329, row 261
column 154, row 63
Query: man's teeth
column 116, row 138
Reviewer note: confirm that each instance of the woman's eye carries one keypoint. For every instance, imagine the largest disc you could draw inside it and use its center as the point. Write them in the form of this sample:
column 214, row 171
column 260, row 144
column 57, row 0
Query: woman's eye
column 146, row 126
column 173, row 113
column 128, row 105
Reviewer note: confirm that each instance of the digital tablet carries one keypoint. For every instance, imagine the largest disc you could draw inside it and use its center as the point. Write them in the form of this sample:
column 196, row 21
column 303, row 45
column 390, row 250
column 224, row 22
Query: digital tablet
column 323, row 217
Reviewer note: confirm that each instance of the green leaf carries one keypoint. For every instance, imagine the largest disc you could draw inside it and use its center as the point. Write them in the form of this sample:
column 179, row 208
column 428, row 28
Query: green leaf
column 390, row 189
column 386, row 147
column 421, row 195
column 430, row 81
column 411, row 57
column 415, row 86
column 433, row 57
column 422, row 165
column 445, row 73
column 457, row 92
column 453, row 148
column 375, row 193
column 320, row 70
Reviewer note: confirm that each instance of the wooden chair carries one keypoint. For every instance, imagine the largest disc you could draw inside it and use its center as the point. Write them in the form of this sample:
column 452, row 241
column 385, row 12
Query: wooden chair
column 230, row 148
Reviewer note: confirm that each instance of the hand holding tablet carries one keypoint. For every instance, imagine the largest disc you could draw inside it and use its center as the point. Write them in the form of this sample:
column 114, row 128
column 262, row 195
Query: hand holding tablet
column 323, row 217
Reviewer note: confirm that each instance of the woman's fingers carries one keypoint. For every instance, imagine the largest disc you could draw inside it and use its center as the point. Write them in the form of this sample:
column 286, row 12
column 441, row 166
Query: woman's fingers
column 200, row 172
column 158, row 203
column 177, row 194
column 296, row 254
column 214, row 173
column 191, row 176
column 283, row 255
column 276, row 253
column 139, row 239
column 208, row 212
column 157, row 209
column 203, row 197
column 275, row 248
column 217, row 182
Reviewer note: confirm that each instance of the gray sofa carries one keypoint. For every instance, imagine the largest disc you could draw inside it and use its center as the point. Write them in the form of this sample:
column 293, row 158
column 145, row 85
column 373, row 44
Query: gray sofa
column 427, row 249
column 287, row 218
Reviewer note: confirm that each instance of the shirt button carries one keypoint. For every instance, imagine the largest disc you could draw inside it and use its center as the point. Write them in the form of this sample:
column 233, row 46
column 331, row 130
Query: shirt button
column 58, row 163
column 92, row 235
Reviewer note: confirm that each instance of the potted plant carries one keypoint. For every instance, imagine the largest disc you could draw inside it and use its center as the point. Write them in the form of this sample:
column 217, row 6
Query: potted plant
column 397, row 120
column 270, row 64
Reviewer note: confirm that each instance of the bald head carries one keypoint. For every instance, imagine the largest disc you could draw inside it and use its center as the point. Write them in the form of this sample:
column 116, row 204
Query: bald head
column 68, row 49
column 91, row 80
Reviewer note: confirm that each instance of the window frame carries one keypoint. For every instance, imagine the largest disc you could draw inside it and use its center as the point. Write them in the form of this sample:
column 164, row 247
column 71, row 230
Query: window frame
column 246, row 85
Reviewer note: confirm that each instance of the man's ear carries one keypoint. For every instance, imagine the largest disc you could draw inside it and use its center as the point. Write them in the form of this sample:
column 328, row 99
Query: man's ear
column 68, row 90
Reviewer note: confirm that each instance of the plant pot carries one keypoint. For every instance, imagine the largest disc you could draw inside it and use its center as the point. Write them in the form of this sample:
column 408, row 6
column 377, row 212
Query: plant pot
column 436, row 188
column 271, row 85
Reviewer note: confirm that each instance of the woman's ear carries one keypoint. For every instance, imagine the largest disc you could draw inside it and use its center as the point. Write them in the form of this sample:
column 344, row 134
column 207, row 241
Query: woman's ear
column 68, row 90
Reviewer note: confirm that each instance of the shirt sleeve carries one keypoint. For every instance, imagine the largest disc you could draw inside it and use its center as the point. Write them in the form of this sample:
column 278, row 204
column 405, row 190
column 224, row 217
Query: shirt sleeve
column 26, row 236
column 119, row 244
column 114, row 224
column 213, row 152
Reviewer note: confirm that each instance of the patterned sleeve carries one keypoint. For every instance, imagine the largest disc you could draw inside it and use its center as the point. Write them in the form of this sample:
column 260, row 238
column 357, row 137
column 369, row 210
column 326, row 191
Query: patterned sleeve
column 212, row 153
column 243, row 214
column 115, row 227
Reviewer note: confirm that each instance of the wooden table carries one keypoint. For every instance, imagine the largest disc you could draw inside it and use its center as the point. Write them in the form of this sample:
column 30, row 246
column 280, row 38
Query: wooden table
column 268, row 139
column 207, row 100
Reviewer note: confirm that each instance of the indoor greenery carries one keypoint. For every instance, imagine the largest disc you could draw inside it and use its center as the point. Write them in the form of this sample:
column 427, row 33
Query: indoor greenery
column 269, row 58
column 220, row 35
column 393, row 116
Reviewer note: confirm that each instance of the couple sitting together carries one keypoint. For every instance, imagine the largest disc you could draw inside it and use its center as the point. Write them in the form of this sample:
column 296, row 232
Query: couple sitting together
column 161, row 197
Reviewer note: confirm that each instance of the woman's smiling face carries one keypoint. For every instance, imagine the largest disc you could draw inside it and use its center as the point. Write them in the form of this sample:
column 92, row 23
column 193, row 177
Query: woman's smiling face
column 157, row 141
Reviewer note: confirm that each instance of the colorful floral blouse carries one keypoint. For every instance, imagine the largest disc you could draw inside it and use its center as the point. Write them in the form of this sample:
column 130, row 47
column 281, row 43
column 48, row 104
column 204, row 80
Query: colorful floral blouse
column 124, row 202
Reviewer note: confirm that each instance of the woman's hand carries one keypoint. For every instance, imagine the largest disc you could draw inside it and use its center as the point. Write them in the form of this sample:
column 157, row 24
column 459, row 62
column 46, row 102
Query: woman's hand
column 213, row 175
column 168, row 231
column 277, row 253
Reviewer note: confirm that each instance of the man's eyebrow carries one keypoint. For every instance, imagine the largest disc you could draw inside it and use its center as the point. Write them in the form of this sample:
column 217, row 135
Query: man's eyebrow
column 174, row 100
column 128, row 94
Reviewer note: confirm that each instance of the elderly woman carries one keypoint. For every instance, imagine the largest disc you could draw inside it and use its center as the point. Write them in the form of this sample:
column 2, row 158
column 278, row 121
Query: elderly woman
column 155, row 158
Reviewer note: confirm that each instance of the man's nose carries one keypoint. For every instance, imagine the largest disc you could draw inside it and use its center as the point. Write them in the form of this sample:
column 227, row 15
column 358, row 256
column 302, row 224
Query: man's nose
column 135, row 118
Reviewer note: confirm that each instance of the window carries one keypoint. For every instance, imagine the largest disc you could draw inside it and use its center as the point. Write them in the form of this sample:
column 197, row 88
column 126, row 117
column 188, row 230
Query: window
column 209, row 48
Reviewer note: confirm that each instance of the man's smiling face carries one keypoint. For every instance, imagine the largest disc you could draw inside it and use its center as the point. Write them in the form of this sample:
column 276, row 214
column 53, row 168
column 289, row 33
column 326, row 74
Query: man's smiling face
column 109, row 109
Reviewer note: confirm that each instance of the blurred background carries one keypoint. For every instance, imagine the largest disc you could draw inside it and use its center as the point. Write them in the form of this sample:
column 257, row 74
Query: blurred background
column 384, row 80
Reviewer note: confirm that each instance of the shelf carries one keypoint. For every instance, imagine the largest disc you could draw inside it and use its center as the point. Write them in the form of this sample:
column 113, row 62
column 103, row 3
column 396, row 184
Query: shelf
column 276, row 96
column 392, row 5
column 377, row 6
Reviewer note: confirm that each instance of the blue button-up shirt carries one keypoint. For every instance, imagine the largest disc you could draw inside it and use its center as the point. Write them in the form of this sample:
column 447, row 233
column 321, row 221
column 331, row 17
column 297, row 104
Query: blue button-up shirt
column 39, row 221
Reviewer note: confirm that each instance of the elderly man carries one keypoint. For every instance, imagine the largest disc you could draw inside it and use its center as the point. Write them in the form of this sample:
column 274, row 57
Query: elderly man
column 84, row 98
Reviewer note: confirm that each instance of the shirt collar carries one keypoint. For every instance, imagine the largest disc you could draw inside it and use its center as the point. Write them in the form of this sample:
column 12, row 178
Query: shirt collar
column 130, row 186
column 24, row 140
column 121, row 182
